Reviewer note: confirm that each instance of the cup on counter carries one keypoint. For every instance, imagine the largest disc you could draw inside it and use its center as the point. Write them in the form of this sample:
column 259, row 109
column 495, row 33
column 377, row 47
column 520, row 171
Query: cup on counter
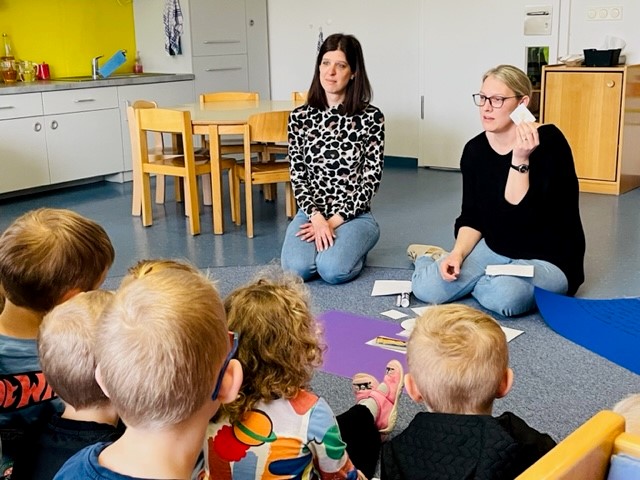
column 8, row 71
column 42, row 71
column 27, row 71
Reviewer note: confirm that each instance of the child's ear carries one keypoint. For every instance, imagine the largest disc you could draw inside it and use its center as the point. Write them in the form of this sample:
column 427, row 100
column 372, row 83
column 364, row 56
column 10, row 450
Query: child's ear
column 505, row 384
column 231, row 382
column 412, row 389
column 98, row 376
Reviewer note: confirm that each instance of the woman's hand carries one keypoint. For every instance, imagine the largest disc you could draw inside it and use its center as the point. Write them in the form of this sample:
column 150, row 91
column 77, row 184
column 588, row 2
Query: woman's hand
column 450, row 266
column 527, row 140
column 320, row 230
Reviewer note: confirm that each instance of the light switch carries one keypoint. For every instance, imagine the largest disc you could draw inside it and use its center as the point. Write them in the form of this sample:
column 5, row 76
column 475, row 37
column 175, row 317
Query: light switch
column 537, row 19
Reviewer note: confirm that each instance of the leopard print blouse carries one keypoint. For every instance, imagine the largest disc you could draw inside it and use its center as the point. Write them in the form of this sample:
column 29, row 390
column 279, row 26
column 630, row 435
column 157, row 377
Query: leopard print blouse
column 336, row 160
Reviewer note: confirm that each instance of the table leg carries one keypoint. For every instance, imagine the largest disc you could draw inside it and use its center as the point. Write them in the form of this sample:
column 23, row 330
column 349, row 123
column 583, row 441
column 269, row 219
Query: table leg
column 216, row 180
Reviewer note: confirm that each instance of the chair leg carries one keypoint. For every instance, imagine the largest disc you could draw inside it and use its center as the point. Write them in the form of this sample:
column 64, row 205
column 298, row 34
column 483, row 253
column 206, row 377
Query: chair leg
column 236, row 199
column 206, row 189
column 145, row 192
column 191, row 204
column 248, row 205
column 178, row 187
column 232, row 197
column 290, row 201
column 160, row 189
column 136, row 201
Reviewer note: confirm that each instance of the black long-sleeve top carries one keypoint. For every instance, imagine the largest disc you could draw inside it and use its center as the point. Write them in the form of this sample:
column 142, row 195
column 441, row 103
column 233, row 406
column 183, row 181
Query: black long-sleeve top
column 546, row 224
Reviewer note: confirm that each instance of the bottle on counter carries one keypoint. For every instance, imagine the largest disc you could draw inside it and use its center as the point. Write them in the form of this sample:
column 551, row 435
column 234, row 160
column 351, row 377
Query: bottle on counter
column 7, row 52
column 8, row 68
column 137, row 66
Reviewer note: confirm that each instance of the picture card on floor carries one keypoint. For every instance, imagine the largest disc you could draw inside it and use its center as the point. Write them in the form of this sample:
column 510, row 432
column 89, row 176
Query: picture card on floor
column 395, row 314
column 512, row 269
column 390, row 287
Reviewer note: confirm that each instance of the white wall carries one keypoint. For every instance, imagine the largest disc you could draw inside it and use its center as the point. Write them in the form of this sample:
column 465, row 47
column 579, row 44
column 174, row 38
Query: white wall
column 389, row 34
column 583, row 33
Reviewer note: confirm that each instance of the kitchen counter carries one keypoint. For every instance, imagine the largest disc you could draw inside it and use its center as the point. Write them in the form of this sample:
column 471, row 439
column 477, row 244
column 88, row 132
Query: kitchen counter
column 113, row 81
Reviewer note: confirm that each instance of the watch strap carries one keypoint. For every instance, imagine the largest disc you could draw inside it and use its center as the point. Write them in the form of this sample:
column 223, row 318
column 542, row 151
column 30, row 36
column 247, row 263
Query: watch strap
column 522, row 168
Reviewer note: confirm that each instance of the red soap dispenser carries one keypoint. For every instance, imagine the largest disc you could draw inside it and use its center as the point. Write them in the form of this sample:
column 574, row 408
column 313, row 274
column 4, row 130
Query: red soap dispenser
column 137, row 66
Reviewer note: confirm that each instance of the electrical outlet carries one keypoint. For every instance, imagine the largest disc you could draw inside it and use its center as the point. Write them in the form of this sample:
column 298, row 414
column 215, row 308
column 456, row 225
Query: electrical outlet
column 608, row 12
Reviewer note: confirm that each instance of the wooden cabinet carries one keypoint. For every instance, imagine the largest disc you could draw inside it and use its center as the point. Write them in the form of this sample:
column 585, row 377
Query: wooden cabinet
column 598, row 110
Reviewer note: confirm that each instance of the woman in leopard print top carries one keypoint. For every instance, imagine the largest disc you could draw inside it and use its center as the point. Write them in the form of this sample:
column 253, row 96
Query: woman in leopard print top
column 336, row 147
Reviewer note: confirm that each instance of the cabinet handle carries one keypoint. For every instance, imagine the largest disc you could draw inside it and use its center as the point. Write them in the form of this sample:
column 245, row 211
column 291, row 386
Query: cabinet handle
column 222, row 69
column 611, row 84
column 84, row 100
column 54, row 125
column 37, row 126
column 213, row 42
column 7, row 107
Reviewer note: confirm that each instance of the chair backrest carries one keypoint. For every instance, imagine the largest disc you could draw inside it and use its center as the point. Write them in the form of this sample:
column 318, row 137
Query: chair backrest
column 133, row 130
column 268, row 127
column 584, row 454
column 165, row 121
column 299, row 96
column 229, row 97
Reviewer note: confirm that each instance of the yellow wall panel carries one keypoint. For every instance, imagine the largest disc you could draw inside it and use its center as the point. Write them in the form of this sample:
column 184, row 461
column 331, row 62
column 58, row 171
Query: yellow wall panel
column 66, row 34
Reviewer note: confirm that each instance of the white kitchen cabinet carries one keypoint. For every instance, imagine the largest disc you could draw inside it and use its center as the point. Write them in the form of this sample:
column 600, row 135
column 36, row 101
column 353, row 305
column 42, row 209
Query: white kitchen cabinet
column 218, row 27
column 164, row 94
column 84, row 137
column 221, row 73
column 23, row 146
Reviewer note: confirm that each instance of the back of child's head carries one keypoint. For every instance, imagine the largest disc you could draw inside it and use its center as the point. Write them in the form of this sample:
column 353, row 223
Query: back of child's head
column 46, row 253
column 161, row 343
column 145, row 267
column 458, row 357
column 66, row 346
column 279, row 346
column 629, row 408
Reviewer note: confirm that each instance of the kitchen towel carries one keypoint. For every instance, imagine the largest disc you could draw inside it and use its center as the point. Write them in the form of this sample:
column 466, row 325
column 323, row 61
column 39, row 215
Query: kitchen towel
column 172, row 18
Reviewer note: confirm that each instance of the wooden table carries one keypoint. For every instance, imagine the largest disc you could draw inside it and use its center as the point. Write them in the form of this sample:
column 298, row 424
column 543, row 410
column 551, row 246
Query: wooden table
column 225, row 118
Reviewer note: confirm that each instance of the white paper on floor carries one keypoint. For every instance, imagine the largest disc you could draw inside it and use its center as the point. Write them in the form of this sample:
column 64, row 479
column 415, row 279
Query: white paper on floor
column 390, row 287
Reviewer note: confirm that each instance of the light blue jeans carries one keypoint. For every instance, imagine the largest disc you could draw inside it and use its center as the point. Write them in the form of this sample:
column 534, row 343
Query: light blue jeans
column 338, row 264
column 502, row 294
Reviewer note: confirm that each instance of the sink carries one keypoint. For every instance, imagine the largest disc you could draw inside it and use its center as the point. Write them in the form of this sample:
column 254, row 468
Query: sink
column 89, row 78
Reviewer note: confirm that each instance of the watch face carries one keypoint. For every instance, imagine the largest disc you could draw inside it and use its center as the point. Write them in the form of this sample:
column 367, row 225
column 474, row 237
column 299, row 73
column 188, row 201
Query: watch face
column 523, row 168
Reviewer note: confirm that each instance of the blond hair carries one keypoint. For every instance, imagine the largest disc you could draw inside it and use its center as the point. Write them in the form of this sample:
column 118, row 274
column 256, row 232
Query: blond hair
column 279, row 346
column 512, row 77
column 458, row 357
column 161, row 343
column 145, row 267
column 629, row 408
column 48, row 252
column 66, row 349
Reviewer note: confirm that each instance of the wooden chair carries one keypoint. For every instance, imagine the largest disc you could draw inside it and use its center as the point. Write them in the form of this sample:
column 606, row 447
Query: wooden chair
column 586, row 452
column 299, row 96
column 156, row 150
column 265, row 129
column 184, row 167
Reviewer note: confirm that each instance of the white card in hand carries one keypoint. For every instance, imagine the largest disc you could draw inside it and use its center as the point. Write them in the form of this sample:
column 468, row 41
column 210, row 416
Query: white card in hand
column 522, row 114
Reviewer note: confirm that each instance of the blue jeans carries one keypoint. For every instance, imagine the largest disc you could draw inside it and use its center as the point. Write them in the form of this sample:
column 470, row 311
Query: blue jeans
column 338, row 264
column 502, row 294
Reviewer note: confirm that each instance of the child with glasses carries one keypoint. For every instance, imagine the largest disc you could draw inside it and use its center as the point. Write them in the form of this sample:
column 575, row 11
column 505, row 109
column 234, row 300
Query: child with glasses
column 164, row 359
column 278, row 428
column 519, row 207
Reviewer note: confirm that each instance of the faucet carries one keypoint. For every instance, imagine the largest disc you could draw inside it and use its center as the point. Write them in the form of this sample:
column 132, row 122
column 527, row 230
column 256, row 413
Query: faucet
column 95, row 70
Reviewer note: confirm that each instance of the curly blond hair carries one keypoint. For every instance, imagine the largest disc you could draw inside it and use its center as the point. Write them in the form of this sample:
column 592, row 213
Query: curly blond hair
column 279, row 345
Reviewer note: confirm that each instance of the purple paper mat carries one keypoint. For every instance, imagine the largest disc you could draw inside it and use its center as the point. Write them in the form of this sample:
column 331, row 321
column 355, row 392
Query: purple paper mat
column 347, row 354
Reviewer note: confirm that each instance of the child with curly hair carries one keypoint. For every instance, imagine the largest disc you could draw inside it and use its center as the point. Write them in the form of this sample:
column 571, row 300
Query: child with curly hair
column 278, row 428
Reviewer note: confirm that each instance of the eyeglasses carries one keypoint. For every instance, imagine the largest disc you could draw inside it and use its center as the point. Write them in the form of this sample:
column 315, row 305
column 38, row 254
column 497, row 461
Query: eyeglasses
column 233, row 340
column 495, row 102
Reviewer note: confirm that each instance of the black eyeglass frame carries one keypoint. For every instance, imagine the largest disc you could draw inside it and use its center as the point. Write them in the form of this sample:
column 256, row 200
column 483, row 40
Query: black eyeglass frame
column 479, row 100
column 233, row 339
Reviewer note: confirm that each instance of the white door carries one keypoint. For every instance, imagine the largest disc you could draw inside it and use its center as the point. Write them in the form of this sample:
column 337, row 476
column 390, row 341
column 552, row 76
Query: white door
column 460, row 41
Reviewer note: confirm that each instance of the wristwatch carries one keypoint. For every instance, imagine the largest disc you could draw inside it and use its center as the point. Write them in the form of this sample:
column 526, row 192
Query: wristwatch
column 522, row 168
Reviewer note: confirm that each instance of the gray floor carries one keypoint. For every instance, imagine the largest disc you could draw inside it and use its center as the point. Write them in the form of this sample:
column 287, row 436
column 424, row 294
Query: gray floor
column 413, row 205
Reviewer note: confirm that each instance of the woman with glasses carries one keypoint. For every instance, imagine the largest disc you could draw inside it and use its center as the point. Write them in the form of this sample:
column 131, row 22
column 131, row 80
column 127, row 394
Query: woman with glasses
column 336, row 146
column 519, row 207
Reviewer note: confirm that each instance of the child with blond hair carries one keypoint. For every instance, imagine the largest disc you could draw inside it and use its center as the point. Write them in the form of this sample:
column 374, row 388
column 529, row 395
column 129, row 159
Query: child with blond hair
column 66, row 347
column 458, row 363
column 164, row 359
column 46, row 257
column 278, row 428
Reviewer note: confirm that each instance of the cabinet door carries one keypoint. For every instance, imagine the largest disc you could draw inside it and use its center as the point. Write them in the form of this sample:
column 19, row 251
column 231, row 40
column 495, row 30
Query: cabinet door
column 586, row 107
column 221, row 72
column 23, row 154
column 84, row 145
column 218, row 27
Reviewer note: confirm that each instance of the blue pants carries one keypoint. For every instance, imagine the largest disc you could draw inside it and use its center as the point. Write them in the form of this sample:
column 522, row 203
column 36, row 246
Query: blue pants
column 338, row 264
column 503, row 294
